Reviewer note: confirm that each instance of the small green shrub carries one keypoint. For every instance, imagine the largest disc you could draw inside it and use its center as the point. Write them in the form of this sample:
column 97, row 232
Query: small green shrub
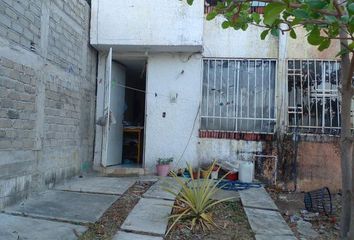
column 194, row 202
column 164, row 161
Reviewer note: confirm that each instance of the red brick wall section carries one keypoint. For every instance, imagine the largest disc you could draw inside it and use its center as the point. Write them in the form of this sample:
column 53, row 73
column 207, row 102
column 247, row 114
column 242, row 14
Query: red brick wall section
column 319, row 166
column 236, row 135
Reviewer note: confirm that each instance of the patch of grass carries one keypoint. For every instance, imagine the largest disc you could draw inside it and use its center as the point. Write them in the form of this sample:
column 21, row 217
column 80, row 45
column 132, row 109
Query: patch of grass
column 238, row 215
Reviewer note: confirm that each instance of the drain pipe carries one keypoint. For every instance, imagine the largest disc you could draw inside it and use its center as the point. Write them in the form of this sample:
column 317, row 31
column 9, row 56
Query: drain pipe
column 282, row 93
column 282, row 118
column 296, row 139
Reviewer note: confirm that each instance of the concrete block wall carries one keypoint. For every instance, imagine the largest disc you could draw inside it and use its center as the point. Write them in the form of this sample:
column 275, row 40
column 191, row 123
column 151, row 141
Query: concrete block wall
column 47, row 94
column 65, row 36
column 20, row 22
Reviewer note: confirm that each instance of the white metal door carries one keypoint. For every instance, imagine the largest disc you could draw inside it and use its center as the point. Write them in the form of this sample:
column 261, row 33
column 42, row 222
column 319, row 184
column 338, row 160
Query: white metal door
column 117, row 106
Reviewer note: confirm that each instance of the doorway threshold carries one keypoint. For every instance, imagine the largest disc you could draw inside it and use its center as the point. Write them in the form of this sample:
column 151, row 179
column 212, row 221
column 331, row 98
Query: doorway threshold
column 123, row 170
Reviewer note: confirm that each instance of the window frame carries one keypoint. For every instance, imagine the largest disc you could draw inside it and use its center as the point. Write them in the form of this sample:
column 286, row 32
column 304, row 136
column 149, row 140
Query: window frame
column 313, row 130
column 273, row 99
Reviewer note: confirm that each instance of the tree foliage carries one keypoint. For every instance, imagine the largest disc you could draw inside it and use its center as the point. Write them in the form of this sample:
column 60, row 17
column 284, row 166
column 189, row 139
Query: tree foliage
column 322, row 19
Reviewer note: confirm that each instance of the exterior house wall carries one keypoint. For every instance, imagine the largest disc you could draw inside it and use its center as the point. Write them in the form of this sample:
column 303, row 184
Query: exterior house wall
column 228, row 43
column 319, row 165
column 161, row 26
column 176, row 135
column 168, row 136
column 318, row 159
column 299, row 48
column 47, row 94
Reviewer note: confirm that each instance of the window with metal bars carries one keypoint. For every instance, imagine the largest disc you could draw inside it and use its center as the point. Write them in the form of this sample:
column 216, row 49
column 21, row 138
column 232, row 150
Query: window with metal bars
column 313, row 96
column 257, row 7
column 238, row 95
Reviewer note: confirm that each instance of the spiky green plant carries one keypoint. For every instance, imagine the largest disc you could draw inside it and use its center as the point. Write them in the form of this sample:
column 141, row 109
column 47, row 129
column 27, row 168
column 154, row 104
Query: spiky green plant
column 194, row 202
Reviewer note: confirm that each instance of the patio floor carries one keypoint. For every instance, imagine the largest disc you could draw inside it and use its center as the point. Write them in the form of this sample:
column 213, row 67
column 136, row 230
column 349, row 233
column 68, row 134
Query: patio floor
column 49, row 215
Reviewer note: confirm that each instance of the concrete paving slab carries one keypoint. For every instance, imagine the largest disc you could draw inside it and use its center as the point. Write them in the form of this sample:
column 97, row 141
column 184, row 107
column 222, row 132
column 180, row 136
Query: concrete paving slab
column 222, row 194
column 157, row 190
column 69, row 206
column 267, row 237
column 148, row 178
column 16, row 227
column 266, row 222
column 104, row 185
column 257, row 198
column 132, row 236
column 149, row 216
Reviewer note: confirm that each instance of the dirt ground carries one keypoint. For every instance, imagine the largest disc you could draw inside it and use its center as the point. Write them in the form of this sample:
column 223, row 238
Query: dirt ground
column 291, row 205
column 114, row 217
column 232, row 222
column 229, row 216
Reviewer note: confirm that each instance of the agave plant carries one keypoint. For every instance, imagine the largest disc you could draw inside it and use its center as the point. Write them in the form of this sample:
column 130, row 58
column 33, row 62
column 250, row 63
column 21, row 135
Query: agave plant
column 194, row 202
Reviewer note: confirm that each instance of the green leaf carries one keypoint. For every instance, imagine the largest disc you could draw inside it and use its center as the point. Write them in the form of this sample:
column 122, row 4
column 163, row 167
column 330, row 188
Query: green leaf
column 314, row 38
column 301, row 13
column 342, row 52
column 225, row 24
column 264, row 34
column 190, row 2
column 324, row 44
column 293, row 34
column 211, row 15
column 351, row 45
column 275, row 32
column 316, row 4
column 344, row 19
column 244, row 27
column 256, row 17
column 272, row 12
column 351, row 24
column 330, row 19
column 350, row 8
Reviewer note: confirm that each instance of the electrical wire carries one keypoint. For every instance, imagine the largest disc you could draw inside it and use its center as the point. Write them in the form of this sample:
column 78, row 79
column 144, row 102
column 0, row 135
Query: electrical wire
column 190, row 137
column 194, row 122
column 153, row 93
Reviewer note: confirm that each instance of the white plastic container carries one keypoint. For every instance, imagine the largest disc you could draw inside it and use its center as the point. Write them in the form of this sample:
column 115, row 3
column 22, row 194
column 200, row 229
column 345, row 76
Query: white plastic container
column 246, row 172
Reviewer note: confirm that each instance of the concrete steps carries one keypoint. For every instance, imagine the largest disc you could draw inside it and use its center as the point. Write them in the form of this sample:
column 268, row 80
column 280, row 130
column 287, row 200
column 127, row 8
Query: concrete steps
column 118, row 171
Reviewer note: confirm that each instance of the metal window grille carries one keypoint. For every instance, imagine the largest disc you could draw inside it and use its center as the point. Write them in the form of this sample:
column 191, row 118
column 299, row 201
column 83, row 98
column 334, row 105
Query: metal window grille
column 238, row 95
column 257, row 7
column 313, row 96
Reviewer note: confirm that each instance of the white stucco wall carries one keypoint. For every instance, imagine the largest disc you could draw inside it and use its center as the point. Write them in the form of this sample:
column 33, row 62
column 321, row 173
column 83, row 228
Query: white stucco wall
column 227, row 150
column 137, row 26
column 144, row 25
column 229, row 43
column 168, row 137
column 301, row 49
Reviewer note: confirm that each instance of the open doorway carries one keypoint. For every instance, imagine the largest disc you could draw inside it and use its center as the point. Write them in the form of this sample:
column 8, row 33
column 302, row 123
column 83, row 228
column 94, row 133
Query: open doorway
column 120, row 110
column 134, row 112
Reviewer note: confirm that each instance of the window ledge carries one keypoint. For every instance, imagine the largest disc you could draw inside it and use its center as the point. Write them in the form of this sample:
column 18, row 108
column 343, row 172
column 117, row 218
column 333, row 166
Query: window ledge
column 236, row 135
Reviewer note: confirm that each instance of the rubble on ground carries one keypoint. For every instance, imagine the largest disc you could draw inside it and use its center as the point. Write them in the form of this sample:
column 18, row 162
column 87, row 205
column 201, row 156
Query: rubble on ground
column 307, row 225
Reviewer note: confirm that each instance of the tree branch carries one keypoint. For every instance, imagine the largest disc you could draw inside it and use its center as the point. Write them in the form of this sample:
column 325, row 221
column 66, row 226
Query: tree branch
column 338, row 8
column 350, row 74
column 291, row 5
column 346, row 46
column 258, row 25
